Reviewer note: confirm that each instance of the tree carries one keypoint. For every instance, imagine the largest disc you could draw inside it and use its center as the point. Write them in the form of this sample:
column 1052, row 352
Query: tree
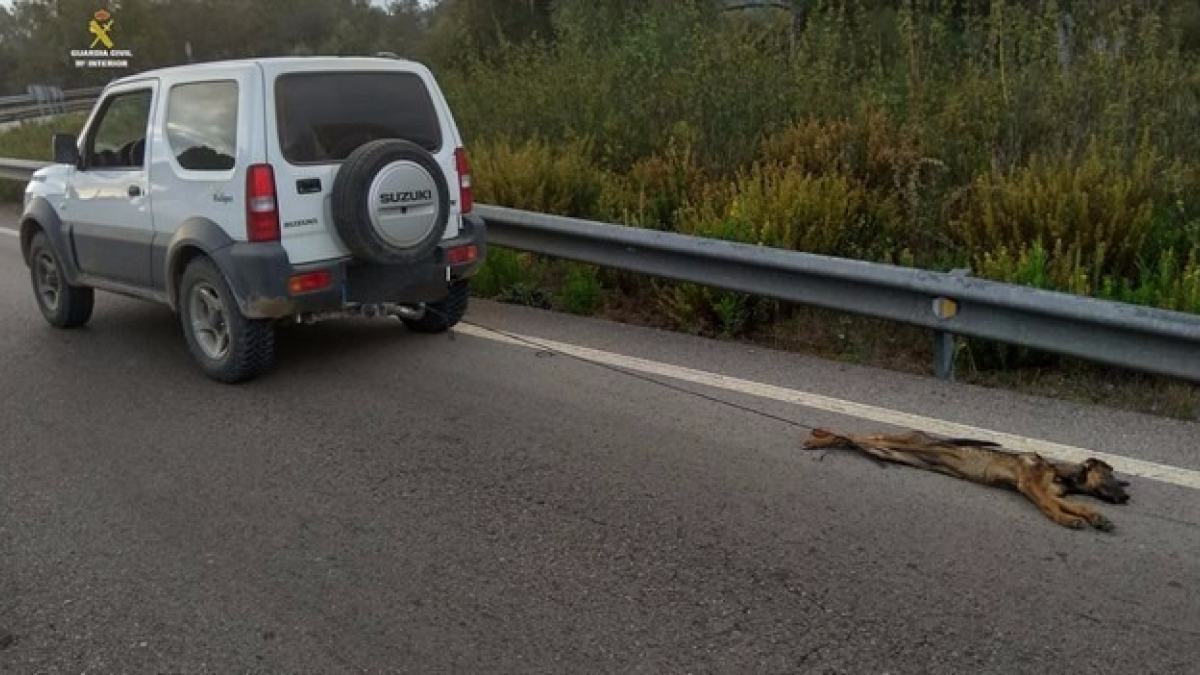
column 464, row 29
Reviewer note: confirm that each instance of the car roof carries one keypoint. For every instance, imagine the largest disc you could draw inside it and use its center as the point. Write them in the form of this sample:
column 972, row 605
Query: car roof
column 271, row 63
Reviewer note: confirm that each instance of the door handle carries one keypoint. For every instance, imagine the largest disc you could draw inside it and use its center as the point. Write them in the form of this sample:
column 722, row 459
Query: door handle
column 135, row 191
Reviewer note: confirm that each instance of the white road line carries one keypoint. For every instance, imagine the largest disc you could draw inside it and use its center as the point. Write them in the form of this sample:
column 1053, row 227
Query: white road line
column 1134, row 467
column 11, row 233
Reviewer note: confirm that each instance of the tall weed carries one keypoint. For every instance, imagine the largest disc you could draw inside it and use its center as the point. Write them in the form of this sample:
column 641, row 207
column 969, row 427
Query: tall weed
column 1095, row 215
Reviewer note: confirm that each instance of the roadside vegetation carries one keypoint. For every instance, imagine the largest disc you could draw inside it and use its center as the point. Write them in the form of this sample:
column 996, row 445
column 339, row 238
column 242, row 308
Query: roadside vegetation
column 31, row 140
column 996, row 141
column 1040, row 142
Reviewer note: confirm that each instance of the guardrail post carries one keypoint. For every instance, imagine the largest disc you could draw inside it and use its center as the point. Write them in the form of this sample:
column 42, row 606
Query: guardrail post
column 943, row 355
column 35, row 92
column 58, row 99
column 943, row 341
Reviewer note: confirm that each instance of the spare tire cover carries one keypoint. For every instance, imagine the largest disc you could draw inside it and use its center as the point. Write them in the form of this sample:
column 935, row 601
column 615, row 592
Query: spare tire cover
column 390, row 202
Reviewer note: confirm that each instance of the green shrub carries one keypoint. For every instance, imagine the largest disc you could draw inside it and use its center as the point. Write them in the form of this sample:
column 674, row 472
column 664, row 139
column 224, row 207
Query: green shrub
column 869, row 147
column 582, row 292
column 538, row 176
column 1096, row 215
column 657, row 187
column 778, row 206
column 502, row 269
column 700, row 310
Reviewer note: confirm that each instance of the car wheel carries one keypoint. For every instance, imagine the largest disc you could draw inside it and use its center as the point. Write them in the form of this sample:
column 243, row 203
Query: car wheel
column 441, row 316
column 63, row 305
column 390, row 202
column 228, row 347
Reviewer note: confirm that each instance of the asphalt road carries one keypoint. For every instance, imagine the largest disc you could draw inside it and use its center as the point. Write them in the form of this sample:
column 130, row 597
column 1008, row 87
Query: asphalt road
column 390, row 502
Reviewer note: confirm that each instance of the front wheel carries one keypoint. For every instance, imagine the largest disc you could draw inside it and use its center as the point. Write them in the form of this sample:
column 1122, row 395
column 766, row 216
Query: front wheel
column 228, row 347
column 441, row 316
column 63, row 305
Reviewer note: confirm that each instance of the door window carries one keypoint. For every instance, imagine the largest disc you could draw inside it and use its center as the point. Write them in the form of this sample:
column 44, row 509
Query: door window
column 119, row 138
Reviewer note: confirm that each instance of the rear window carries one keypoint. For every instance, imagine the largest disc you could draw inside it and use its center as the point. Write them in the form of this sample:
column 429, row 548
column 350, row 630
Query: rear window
column 323, row 117
column 202, row 125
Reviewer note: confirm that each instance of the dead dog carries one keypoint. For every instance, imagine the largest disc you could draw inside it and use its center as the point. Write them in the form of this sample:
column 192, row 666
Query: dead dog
column 1044, row 482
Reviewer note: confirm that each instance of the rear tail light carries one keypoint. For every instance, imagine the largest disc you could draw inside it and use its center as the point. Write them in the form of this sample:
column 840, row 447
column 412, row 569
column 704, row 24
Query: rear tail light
column 262, row 208
column 309, row 282
column 462, row 254
column 465, row 198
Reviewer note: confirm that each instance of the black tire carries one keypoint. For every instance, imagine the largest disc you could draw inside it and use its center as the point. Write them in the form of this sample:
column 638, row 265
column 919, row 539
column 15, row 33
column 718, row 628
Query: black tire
column 441, row 316
column 228, row 347
column 351, row 203
column 63, row 305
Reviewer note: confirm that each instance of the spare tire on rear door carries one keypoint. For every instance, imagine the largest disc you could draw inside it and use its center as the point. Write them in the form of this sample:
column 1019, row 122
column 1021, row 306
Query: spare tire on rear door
column 390, row 202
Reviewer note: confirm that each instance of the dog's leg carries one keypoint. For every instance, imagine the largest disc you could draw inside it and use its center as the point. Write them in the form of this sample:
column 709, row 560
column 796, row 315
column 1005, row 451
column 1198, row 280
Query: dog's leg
column 1036, row 480
column 1047, row 490
column 872, row 446
column 1053, row 492
column 1051, row 506
column 1094, row 517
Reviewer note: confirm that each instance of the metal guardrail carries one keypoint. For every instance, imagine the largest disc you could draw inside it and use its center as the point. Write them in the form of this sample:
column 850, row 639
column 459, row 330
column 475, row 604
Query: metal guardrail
column 1118, row 334
column 24, row 113
column 43, row 100
column 18, row 169
column 1128, row 336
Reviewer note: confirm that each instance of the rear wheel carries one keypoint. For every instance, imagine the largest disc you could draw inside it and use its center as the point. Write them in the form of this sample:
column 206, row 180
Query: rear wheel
column 63, row 305
column 228, row 347
column 441, row 316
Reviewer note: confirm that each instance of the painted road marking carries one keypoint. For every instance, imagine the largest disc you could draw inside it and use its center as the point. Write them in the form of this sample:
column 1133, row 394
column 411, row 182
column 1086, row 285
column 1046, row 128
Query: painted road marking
column 11, row 233
column 1134, row 467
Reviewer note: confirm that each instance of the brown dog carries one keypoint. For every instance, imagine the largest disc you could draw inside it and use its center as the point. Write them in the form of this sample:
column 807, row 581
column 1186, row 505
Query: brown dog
column 1044, row 482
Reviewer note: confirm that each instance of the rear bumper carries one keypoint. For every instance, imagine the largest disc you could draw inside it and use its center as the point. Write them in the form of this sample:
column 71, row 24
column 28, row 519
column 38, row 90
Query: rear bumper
column 261, row 275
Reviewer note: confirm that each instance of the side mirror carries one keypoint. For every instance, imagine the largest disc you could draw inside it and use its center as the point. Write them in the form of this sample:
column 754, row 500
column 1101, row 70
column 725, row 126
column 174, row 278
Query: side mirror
column 66, row 149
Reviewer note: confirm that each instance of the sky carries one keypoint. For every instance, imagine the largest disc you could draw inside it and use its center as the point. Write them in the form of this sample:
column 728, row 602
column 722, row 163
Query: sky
column 381, row 3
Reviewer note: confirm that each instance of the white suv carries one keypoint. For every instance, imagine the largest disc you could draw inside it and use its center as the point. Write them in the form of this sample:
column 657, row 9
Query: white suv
column 241, row 193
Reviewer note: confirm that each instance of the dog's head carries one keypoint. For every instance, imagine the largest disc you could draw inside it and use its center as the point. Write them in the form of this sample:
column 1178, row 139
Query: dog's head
column 1095, row 478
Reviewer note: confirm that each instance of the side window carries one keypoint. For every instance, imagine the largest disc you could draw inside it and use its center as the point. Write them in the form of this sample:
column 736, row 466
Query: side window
column 202, row 125
column 119, row 138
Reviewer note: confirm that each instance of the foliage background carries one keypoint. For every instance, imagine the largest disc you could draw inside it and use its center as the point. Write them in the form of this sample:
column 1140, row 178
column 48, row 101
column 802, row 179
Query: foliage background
column 1043, row 142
